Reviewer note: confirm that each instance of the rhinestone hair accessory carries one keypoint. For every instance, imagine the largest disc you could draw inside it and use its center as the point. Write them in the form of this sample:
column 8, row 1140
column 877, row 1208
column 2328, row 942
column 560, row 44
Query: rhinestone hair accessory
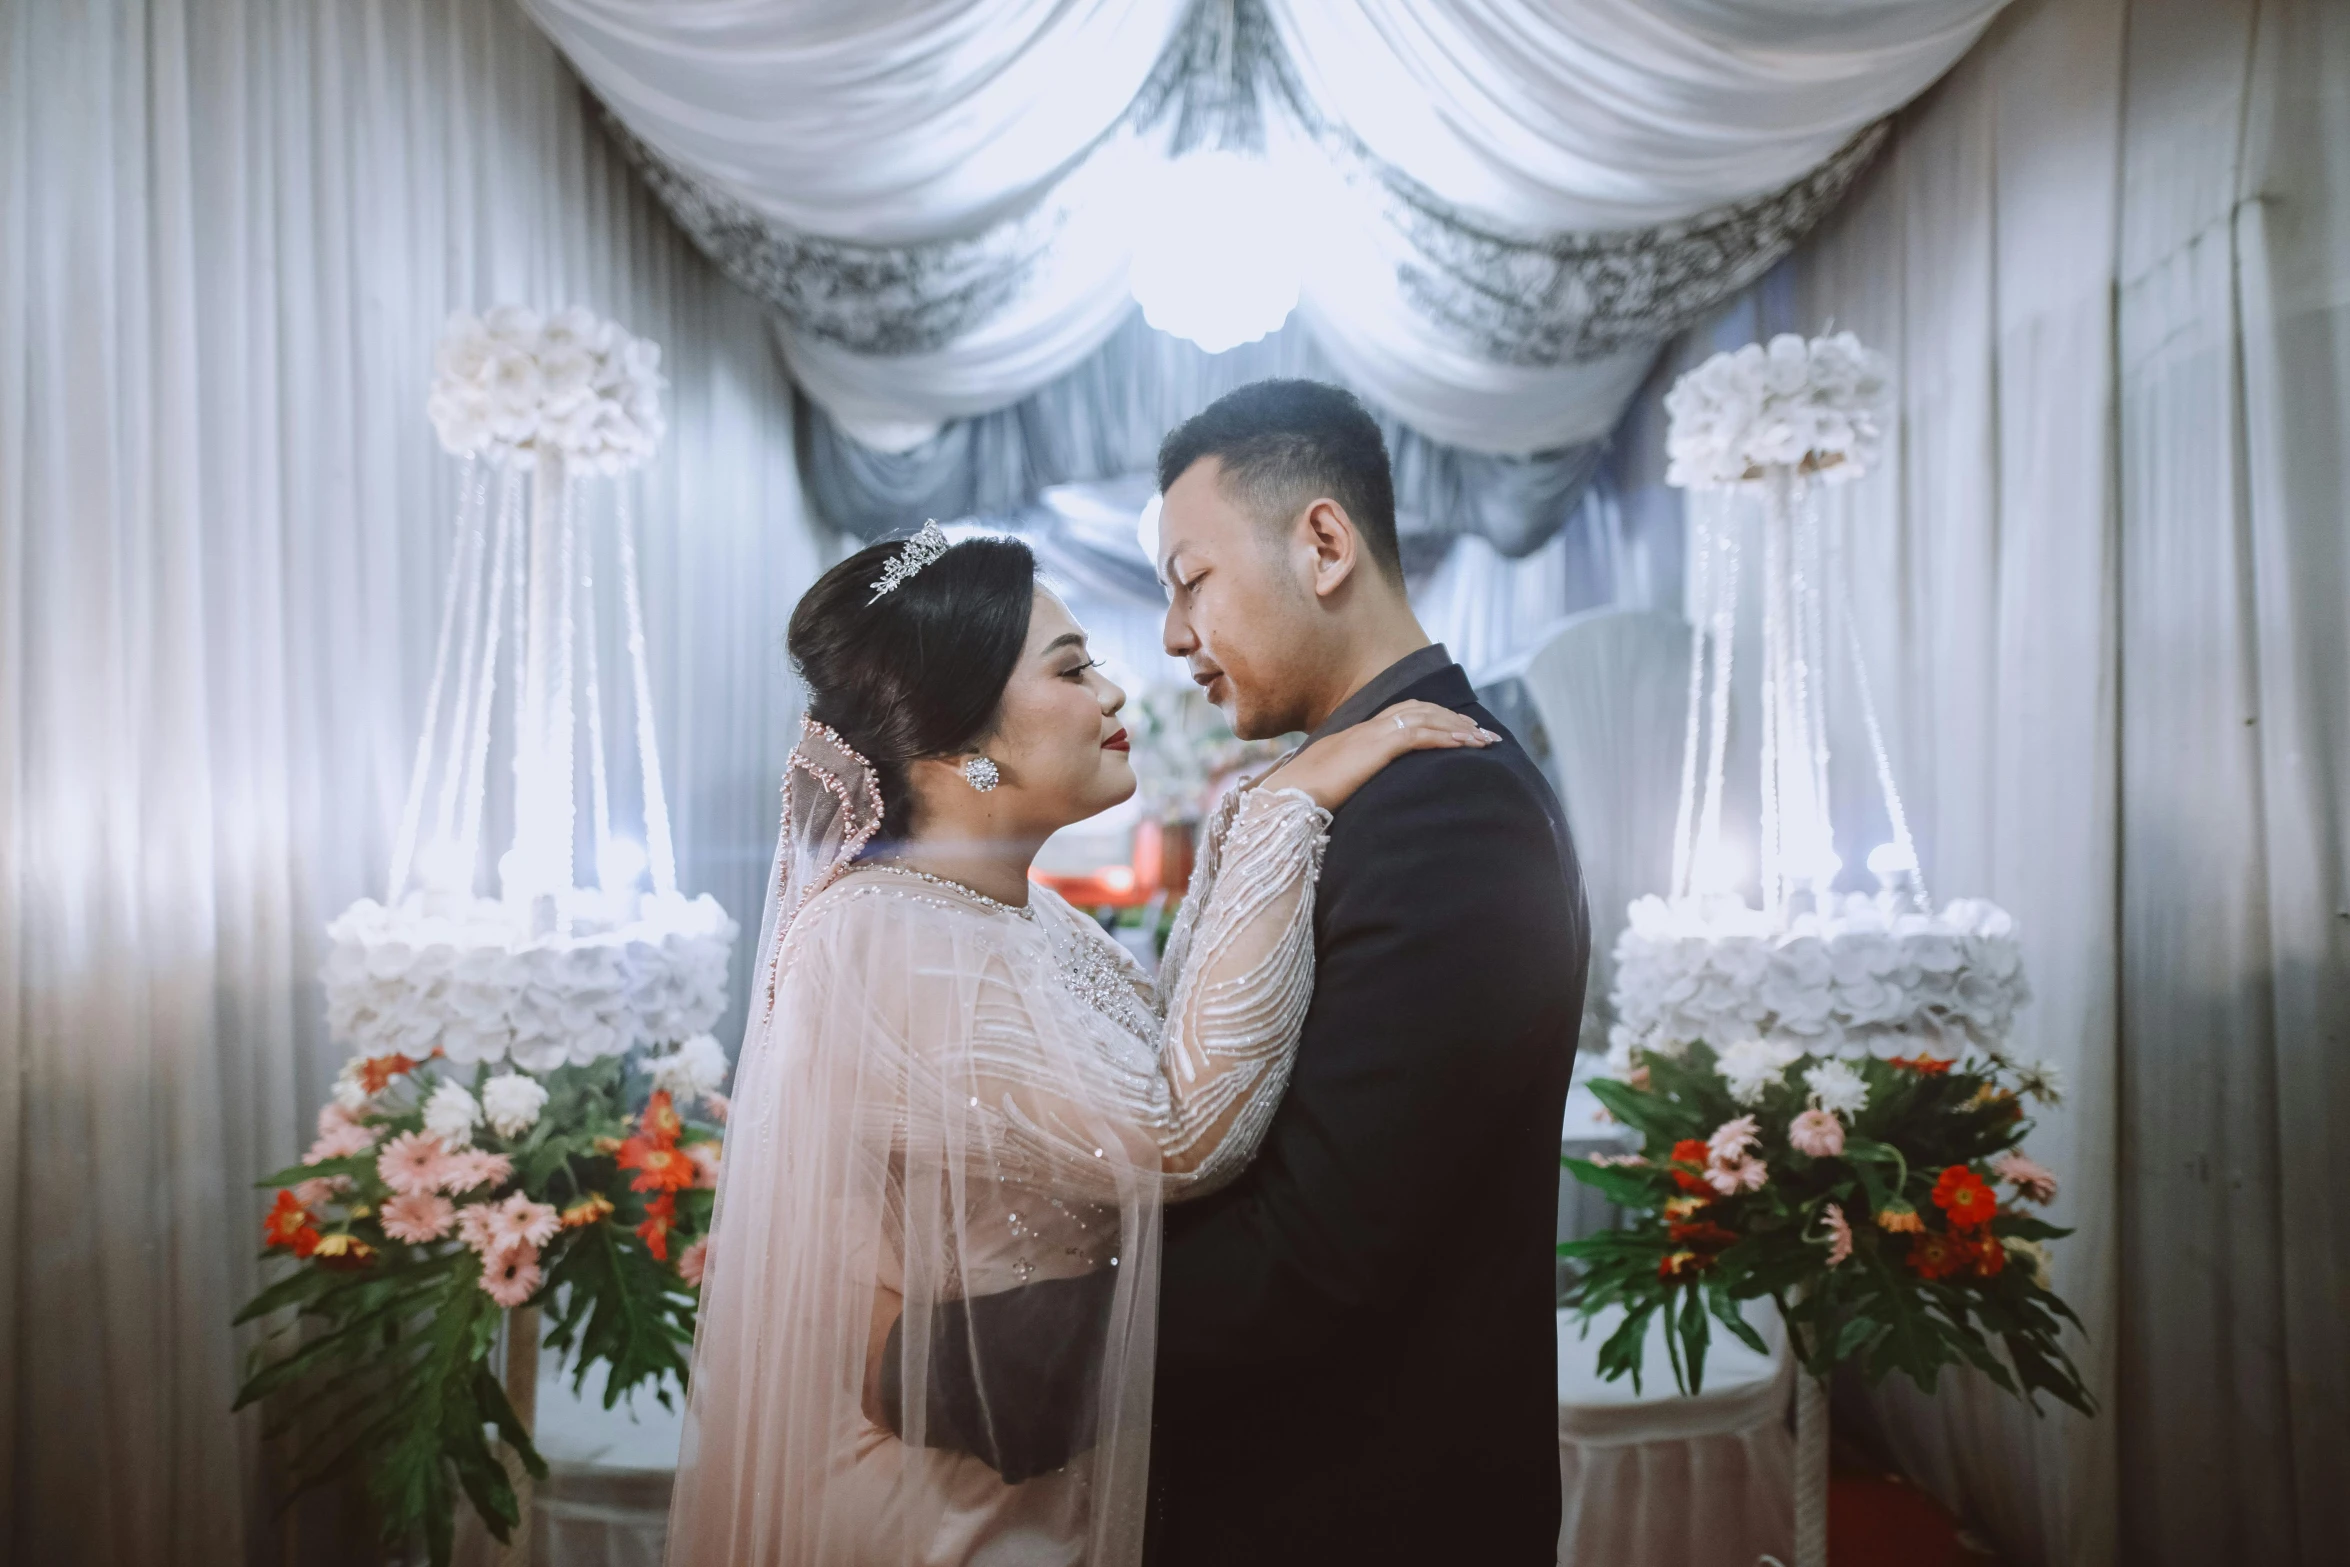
column 980, row 773
column 920, row 551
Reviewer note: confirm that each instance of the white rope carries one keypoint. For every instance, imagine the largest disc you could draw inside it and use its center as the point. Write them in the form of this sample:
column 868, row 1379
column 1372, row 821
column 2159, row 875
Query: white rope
column 506, row 553
column 599, row 787
column 461, row 720
column 1868, row 714
column 563, row 728
column 659, row 850
column 1725, row 640
column 1685, row 815
column 412, row 808
column 1774, row 698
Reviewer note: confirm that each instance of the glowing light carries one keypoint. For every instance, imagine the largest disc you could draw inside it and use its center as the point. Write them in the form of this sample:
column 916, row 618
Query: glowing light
column 1888, row 860
column 619, row 863
column 1721, row 868
column 1118, row 878
column 1217, row 250
column 445, row 867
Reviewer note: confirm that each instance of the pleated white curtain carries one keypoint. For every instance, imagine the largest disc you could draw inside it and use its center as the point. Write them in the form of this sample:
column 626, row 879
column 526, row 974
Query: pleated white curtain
column 2104, row 572
column 941, row 198
column 229, row 234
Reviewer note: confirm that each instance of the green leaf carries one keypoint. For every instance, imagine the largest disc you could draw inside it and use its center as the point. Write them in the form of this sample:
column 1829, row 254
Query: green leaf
column 1695, row 1338
column 302, row 1285
column 1623, row 1351
column 1726, row 1311
column 1631, row 1188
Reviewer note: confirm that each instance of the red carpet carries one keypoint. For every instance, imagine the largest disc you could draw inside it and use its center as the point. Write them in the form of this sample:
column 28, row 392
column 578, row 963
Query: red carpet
column 1877, row 1520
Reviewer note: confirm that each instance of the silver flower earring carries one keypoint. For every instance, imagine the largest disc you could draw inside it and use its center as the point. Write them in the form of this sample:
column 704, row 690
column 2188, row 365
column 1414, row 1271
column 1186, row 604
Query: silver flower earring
column 981, row 774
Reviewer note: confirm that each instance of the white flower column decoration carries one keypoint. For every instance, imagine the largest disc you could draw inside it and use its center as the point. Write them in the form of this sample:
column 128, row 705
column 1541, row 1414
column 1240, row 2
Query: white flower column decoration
column 1803, row 969
column 549, row 972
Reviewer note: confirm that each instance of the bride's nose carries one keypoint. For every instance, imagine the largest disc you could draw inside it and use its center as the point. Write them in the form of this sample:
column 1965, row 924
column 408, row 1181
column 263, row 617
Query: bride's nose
column 1113, row 698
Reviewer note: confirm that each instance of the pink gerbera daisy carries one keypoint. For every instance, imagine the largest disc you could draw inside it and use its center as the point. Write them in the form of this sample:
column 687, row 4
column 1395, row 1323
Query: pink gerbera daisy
column 513, row 1278
column 1730, row 1176
column 2031, row 1179
column 705, row 1158
column 692, row 1260
column 1817, row 1132
column 473, row 1227
column 413, row 1163
column 417, row 1217
column 331, row 1115
column 1732, row 1139
column 338, row 1142
column 315, row 1193
column 518, row 1224
column 718, row 1105
column 1839, row 1234
column 469, row 1169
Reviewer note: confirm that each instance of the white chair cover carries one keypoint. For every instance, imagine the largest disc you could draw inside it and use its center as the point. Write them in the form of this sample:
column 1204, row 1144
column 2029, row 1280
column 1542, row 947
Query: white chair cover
column 1655, row 1479
column 1612, row 689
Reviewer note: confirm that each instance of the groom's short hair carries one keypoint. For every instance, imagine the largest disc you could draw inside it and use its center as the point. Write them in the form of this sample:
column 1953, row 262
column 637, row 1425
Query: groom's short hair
column 1284, row 444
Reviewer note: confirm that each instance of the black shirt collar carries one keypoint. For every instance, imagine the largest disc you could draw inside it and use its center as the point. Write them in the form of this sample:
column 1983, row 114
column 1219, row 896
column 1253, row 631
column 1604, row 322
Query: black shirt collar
column 1382, row 688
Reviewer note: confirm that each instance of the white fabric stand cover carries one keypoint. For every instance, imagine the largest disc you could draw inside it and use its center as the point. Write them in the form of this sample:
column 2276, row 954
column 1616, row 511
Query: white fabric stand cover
column 1656, row 1479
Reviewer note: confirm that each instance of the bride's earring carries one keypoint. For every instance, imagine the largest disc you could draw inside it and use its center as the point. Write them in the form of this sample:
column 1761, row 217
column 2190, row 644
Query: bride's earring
column 981, row 774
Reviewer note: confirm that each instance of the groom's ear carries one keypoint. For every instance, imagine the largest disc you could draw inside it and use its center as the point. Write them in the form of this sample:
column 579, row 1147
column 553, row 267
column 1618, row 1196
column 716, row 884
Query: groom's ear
column 1337, row 546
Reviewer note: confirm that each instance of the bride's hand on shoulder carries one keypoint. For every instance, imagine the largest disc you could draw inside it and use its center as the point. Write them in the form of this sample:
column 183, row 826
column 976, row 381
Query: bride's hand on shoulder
column 1334, row 767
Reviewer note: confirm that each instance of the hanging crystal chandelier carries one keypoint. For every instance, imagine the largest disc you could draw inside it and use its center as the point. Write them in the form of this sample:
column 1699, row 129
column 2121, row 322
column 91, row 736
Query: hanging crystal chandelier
column 1801, row 967
column 549, row 971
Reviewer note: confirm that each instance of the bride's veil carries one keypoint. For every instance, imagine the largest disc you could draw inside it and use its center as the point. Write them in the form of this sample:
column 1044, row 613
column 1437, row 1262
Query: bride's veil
column 917, row 1109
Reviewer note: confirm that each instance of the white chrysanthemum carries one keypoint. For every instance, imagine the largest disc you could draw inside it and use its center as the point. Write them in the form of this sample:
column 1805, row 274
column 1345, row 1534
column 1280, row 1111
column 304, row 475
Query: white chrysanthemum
column 2041, row 1081
column 513, row 1102
column 349, row 1091
column 693, row 1069
column 451, row 1114
column 1752, row 1067
column 1838, row 1088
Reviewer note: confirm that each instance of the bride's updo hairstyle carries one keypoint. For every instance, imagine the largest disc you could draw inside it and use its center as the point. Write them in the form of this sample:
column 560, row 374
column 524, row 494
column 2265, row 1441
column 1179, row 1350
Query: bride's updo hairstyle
column 921, row 671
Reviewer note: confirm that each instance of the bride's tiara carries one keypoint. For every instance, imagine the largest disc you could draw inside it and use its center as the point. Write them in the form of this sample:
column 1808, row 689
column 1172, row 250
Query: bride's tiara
column 920, row 551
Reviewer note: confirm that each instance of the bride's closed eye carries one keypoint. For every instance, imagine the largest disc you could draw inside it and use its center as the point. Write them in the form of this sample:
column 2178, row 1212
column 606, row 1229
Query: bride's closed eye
column 1077, row 672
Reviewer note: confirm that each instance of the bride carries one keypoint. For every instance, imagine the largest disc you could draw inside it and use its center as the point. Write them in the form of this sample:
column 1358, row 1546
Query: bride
column 955, row 1084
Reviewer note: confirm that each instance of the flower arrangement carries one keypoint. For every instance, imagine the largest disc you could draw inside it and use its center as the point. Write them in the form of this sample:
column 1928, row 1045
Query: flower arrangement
column 1859, row 975
column 1815, row 406
column 439, row 1195
column 513, row 384
column 472, row 978
column 1884, row 1204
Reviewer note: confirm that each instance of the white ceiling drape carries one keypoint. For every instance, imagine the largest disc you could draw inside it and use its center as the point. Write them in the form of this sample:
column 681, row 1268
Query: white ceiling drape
column 1508, row 203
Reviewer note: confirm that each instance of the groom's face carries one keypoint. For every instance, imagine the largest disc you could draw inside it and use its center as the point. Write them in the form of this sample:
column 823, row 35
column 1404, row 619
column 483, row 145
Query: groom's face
column 1237, row 615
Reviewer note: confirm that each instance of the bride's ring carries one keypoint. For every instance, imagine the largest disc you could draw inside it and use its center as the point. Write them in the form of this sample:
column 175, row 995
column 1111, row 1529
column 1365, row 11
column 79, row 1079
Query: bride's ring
column 1399, row 720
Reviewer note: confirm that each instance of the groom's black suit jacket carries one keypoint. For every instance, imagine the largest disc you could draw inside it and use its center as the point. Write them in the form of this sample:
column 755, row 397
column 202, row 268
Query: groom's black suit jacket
column 1357, row 1342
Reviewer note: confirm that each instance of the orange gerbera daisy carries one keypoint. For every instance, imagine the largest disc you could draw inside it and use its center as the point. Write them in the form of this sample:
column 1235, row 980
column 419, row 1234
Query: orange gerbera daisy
column 660, row 1167
column 1681, row 1264
column 1899, row 1219
column 1692, row 1151
column 288, row 1225
column 660, row 1219
column 343, row 1251
column 661, row 1122
column 590, row 1209
column 1703, row 1234
column 1961, row 1194
column 377, row 1072
column 1937, row 1256
column 1924, row 1066
column 1990, row 1255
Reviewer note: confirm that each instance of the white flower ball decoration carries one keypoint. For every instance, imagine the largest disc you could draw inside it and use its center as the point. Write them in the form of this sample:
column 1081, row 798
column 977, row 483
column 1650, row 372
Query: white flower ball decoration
column 512, row 1102
column 512, row 384
column 482, row 987
column 1816, row 405
column 1853, row 979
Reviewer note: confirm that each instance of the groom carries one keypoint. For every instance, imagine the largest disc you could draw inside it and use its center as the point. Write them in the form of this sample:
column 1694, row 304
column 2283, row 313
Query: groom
column 1357, row 1349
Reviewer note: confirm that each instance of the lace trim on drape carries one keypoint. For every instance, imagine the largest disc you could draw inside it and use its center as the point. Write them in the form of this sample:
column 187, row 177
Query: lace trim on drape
column 870, row 299
column 1535, row 300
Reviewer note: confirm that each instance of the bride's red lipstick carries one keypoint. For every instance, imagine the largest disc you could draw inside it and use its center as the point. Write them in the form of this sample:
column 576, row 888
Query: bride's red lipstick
column 1116, row 742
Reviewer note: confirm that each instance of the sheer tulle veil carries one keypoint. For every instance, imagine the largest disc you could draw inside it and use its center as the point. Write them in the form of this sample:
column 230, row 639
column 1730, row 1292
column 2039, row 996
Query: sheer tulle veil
column 916, row 1110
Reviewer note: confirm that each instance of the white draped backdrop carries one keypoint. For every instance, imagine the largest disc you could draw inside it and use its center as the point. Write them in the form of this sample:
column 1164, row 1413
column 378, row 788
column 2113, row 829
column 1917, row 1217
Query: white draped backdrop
column 2103, row 569
column 229, row 235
